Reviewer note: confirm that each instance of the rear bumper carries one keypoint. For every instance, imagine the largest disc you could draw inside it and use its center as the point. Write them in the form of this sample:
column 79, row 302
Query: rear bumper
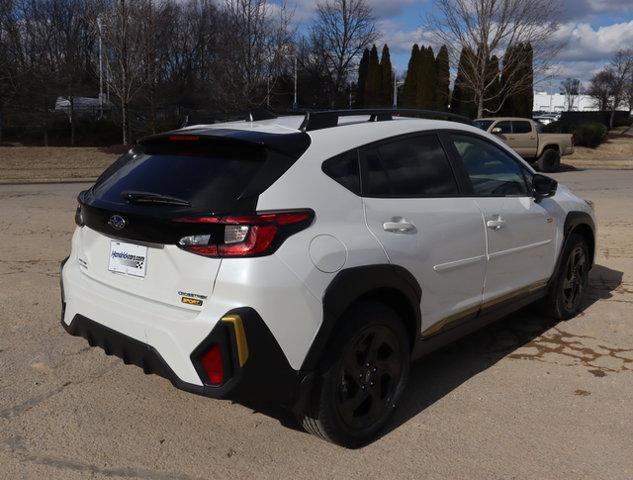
column 265, row 375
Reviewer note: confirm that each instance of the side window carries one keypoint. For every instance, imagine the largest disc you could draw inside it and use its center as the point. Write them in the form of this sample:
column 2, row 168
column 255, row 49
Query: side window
column 492, row 171
column 344, row 169
column 506, row 127
column 521, row 127
column 415, row 166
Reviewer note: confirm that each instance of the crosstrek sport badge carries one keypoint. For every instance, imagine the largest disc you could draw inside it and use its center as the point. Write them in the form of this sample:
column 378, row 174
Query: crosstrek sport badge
column 192, row 298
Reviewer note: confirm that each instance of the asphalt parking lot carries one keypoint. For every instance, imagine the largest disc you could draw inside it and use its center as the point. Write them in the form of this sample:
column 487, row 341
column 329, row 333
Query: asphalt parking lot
column 525, row 398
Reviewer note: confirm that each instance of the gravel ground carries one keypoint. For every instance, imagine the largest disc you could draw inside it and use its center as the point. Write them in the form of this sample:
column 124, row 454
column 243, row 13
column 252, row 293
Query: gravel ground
column 41, row 164
column 524, row 399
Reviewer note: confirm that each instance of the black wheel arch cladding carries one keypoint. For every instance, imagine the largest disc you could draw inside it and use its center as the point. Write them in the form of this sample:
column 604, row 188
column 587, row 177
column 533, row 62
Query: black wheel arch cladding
column 390, row 284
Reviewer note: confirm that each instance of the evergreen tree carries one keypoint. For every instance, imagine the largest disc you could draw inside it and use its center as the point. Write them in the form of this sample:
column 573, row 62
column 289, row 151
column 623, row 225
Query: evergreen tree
column 462, row 101
column 372, row 84
column 386, row 78
column 518, row 63
column 410, row 88
column 362, row 79
column 524, row 100
column 427, row 83
column 492, row 78
column 442, row 67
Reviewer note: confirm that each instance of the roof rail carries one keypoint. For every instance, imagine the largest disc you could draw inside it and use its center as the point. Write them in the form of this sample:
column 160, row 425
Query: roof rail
column 329, row 118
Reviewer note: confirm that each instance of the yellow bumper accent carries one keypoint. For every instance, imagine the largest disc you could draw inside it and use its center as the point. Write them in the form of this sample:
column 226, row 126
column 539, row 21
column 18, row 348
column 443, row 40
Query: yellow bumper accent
column 240, row 337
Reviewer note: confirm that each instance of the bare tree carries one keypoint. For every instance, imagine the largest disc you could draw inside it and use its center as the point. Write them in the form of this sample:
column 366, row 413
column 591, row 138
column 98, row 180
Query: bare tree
column 488, row 27
column 621, row 68
column 72, row 39
column 570, row 87
column 123, row 40
column 600, row 88
column 629, row 93
column 257, row 43
column 341, row 31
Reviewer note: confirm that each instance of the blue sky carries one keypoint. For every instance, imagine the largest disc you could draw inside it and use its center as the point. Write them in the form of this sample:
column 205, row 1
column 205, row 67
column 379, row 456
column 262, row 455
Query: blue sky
column 591, row 29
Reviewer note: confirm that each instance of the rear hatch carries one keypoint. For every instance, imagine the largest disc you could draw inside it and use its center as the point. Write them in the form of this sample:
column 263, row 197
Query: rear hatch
column 132, row 238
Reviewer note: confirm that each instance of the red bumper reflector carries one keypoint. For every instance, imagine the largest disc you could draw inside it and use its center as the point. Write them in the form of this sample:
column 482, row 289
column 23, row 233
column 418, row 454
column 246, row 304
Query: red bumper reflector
column 212, row 365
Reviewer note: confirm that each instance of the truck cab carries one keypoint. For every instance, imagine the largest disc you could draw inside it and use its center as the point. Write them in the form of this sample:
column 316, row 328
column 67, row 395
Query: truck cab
column 525, row 136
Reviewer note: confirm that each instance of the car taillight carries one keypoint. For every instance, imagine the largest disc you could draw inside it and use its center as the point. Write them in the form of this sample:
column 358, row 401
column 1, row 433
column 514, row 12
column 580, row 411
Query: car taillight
column 246, row 235
column 211, row 362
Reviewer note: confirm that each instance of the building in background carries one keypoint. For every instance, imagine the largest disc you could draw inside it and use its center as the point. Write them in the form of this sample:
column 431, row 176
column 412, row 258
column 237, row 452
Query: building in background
column 556, row 102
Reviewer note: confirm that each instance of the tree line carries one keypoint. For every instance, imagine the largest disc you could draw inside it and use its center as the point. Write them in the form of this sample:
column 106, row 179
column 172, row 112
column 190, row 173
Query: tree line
column 427, row 82
column 160, row 58
column 159, row 61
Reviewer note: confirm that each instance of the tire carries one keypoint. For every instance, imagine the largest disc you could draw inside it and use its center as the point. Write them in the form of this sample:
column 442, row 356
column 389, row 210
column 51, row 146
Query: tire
column 549, row 161
column 567, row 292
column 362, row 379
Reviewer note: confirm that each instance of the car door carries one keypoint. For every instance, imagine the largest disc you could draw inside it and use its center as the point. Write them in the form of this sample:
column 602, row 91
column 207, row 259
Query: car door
column 525, row 140
column 414, row 207
column 520, row 232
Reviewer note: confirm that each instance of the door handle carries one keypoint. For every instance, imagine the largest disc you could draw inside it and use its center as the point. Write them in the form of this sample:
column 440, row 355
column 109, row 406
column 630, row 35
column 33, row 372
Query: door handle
column 398, row 226
column 496, row 224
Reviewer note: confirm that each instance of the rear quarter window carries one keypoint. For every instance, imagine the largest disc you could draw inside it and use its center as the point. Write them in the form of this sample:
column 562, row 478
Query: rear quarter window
column 344, row 169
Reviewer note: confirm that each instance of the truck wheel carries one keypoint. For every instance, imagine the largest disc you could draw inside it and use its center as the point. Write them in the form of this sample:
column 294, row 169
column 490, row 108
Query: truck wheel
column 361, row 379
column 549, row 161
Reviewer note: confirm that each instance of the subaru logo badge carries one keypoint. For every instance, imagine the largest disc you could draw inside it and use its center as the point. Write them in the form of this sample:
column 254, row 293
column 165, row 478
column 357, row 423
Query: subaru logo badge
column 117, row 222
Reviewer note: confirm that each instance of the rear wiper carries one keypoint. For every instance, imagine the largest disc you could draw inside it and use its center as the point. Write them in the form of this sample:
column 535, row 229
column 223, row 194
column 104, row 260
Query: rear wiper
column 155, row 198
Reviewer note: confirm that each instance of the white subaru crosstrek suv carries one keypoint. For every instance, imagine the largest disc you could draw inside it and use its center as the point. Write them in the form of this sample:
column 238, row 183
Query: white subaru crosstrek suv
column 307, row 260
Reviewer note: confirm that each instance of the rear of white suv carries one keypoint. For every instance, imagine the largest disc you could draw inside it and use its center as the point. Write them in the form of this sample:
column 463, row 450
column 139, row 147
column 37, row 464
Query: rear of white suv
column 263, row 262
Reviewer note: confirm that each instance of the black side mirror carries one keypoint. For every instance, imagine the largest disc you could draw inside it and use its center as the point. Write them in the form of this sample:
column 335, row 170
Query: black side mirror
column 543, row 187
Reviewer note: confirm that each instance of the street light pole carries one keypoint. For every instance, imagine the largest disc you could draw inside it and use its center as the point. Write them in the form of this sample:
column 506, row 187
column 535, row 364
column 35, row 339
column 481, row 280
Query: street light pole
column 294, row 104
column 100, row 70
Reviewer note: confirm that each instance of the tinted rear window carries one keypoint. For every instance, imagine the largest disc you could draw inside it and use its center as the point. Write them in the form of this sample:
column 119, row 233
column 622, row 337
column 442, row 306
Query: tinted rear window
column 203, row 173
column 521, row 127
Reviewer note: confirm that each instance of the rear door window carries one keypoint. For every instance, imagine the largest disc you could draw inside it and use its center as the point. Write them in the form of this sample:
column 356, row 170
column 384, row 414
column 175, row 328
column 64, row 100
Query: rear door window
column 521, row 127
column 415, row 166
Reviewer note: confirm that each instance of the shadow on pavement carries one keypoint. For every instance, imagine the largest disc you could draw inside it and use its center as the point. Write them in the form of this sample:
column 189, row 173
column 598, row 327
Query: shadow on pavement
column 438, row 374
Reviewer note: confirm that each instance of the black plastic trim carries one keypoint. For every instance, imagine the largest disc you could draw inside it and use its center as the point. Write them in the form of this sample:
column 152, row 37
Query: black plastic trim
column 351, row 284
column 573, row 220
column 266, row 376
column 486, row 316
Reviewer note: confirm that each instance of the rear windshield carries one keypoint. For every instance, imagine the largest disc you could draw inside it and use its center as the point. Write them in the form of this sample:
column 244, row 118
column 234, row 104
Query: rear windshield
column 203, row 173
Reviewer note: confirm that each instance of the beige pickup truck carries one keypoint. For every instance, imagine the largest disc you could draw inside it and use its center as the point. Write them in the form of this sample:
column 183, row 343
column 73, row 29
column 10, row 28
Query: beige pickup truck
column 525, row 137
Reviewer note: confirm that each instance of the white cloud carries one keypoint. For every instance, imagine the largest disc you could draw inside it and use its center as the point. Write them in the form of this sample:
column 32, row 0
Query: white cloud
column 583, row 43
